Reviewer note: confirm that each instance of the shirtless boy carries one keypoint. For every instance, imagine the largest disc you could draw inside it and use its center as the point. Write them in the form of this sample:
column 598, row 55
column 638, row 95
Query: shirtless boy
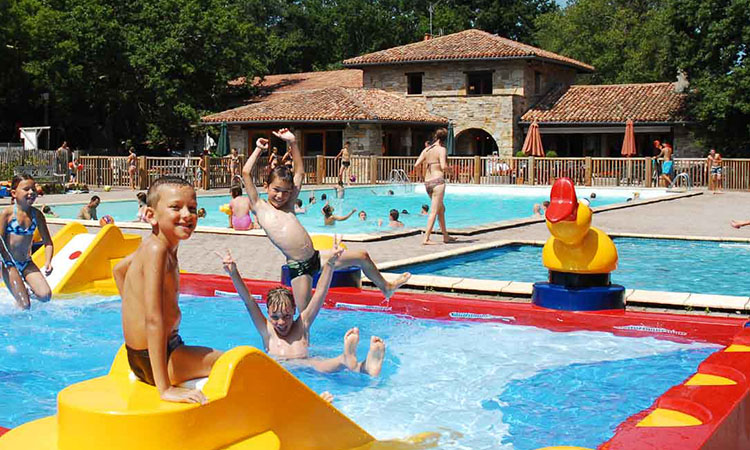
column 276, row 216
column 330, row 219
column 713, row 165
column 345, row 156
column 148, row 281
column 289, row 338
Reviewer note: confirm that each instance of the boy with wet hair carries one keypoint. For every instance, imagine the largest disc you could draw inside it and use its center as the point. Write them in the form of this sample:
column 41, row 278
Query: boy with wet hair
column 276, row 216
column 148, row 281
column 289, row 338
column 330, row 219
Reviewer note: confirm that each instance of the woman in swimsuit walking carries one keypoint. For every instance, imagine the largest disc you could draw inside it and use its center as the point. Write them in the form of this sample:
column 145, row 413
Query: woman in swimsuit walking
column 19, row 221
column 132, row 167
column 435, row 159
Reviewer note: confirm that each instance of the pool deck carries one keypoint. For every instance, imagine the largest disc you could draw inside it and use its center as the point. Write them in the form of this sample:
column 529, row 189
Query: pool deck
column 701, row 216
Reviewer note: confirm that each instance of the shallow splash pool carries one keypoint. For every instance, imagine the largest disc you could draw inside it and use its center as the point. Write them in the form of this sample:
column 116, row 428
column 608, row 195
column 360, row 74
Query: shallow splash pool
column 673, row 265
column 478, row 384
column 467, row 206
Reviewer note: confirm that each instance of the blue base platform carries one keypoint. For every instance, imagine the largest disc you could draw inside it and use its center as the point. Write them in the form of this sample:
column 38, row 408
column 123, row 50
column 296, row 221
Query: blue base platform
column 346, row 277
column 555, row 296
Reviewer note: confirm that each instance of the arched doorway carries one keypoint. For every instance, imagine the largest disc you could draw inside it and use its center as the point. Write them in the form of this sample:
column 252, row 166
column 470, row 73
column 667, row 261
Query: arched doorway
column 475, row 141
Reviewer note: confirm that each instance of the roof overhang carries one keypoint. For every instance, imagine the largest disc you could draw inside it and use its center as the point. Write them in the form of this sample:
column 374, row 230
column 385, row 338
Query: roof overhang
column 329, row 122
column 602, row 127
column 499, row 58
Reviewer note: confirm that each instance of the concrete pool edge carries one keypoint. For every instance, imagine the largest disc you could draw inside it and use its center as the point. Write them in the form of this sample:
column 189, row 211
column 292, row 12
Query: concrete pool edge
column 519, row 288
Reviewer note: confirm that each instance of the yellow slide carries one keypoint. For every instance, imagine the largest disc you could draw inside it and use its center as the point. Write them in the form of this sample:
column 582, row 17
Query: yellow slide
column 83, row 261
column 253, row 404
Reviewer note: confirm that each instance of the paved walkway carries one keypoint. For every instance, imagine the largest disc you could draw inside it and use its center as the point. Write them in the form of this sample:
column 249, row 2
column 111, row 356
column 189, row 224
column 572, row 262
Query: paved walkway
column 704, row 215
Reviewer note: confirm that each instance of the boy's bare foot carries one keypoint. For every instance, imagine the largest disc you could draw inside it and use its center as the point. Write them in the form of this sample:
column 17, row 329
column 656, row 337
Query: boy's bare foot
column 428, row 242
column 374, row 362
column 327, row 396
column 393, row 285
column 351, row 340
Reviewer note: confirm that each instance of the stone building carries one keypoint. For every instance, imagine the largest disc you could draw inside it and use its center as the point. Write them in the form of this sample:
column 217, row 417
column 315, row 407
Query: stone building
column 490, row 88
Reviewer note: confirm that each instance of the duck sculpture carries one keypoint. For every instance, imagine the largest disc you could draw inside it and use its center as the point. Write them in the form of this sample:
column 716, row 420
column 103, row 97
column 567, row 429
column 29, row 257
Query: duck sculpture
column 579, row 257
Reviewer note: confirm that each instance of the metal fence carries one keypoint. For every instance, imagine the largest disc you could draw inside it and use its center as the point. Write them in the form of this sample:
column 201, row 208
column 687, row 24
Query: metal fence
column 635, row 172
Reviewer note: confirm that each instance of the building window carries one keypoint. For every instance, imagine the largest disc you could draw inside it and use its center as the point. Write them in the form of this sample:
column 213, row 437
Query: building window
column 537, row 82
column 479, row 83
column 414, row 83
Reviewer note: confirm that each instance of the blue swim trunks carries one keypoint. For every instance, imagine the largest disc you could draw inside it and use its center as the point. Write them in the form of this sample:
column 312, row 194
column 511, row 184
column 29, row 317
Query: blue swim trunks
column 667, row 167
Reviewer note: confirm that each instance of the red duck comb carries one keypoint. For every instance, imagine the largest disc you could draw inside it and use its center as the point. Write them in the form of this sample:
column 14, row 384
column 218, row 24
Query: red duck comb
column 563, row 203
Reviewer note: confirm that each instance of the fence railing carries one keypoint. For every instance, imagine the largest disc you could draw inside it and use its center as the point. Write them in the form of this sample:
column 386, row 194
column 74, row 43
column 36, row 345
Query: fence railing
column 217, row 173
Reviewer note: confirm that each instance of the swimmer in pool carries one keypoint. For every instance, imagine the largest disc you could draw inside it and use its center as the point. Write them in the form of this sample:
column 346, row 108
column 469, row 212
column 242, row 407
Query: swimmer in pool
column 288, row 338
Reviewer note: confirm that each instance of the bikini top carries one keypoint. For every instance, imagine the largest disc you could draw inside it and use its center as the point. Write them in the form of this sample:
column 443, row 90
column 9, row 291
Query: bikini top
column 14, row 227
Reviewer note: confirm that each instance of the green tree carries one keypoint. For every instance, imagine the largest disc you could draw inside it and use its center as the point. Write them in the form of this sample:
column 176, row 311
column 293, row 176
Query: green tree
column 624, row 40
column 710, row 41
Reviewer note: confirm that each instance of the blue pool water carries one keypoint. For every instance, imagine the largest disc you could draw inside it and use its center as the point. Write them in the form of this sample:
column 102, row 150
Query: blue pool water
column 654, row 264
column 465, row 207
column 478, row 385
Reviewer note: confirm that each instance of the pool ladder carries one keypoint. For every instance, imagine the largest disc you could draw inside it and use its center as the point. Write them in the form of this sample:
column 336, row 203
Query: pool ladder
column 399, row 176
column 684, row 176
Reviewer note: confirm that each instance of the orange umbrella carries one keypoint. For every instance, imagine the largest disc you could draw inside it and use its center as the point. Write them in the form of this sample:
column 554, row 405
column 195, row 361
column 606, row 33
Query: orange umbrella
column 532, row 146
column 628, row 144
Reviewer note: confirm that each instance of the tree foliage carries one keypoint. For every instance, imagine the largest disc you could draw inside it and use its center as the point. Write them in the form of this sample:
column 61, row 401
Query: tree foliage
column 625, row 40
column 710, row 41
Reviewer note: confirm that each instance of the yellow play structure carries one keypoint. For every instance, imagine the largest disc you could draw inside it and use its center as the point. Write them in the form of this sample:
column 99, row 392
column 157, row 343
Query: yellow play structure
column 253, row 404
column 83, row 261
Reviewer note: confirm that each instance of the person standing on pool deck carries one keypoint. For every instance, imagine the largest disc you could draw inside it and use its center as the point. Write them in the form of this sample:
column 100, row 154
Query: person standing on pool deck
column 345, row 163
column 436, row 161
column 288, row 338
column 18, row 223
column 713, row 167
column 148, row 282
column 276, row 216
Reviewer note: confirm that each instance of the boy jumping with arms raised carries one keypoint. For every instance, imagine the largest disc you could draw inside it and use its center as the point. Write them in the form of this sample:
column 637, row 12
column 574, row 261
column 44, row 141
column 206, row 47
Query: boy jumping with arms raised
column 287, row 338
column 148, row 281
column 276, row 216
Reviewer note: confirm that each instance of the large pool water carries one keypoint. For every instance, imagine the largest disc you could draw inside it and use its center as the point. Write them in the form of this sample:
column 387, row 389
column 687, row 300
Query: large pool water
column 465, row 206
column 705, row 267
column 478, row 385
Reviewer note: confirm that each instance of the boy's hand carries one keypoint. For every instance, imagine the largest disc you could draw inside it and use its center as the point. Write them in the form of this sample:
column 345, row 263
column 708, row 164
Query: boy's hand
column 228, row 262
column 285, row 135
column 262, row 143
column 336, row 251
column 183, row 395
column 47, row 269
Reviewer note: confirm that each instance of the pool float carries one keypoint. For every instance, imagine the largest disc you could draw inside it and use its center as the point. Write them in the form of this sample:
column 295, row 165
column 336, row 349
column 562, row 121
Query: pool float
column 253, row 404
column 579, row 257
column 343, row 277
column 225, row 209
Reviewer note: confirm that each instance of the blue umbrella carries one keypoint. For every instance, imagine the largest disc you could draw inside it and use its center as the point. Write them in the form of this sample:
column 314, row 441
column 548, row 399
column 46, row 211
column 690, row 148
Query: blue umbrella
column 222, row 148
column 450, row 142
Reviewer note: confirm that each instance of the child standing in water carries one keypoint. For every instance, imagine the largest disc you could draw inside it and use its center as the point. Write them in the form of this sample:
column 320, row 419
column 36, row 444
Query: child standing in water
column 148, row 281
column 240, row 220
column 330, row 219
column 289, row 338
column 18, row 223
column 276, row 216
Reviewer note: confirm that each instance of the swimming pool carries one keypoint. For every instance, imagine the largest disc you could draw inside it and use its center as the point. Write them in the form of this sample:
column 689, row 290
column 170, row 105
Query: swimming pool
column 467, row 206
column 479, row 385
column 672, row 265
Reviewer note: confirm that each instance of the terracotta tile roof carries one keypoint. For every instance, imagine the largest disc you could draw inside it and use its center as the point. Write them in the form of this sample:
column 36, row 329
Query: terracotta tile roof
column 652, row 102
column 467, row 45
column 292, row 82
column 330, row 104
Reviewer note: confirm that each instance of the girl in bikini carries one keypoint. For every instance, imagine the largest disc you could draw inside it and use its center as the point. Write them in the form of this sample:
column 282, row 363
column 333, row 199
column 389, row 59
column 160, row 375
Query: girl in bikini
column 19, row 221
column 436, row 162
column 234, row 163
column 132, row 167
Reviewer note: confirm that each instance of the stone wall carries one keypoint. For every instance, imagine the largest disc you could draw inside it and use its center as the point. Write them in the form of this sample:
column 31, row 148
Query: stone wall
column 238, row 138
column 444, row 93
column 685, row 145
column 365, row 139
